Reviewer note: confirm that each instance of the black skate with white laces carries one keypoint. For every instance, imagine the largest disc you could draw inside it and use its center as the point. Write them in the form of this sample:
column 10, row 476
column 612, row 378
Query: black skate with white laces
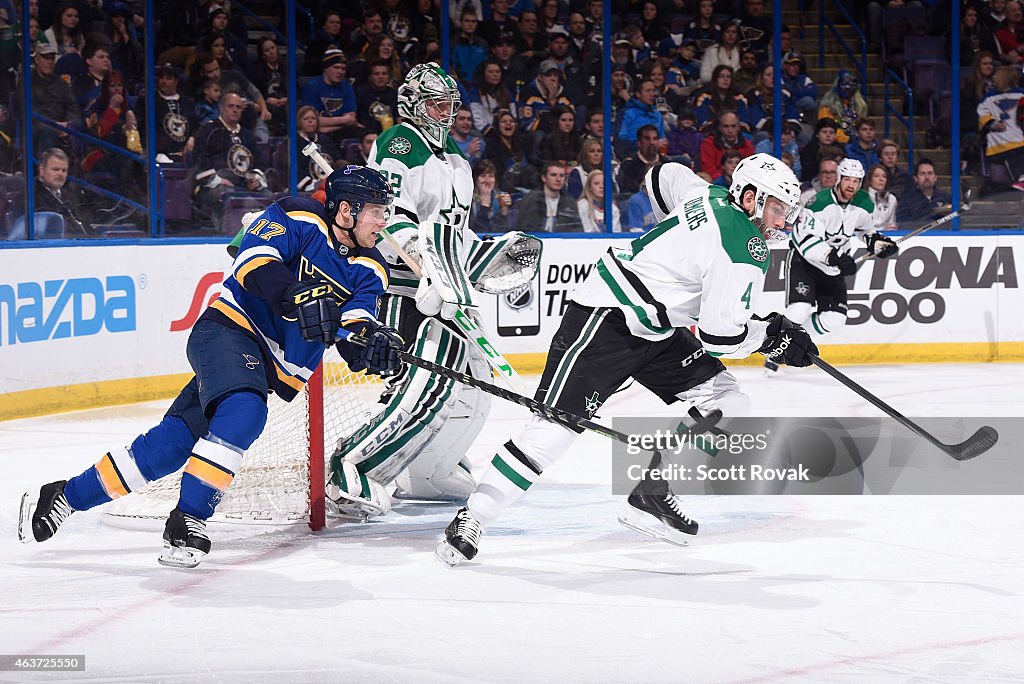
column 461, row 539
column 185, row 540
column 46, row 515
column 653, row 510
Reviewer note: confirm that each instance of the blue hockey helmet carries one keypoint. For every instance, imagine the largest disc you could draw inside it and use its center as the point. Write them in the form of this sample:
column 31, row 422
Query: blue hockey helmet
column 359, row 186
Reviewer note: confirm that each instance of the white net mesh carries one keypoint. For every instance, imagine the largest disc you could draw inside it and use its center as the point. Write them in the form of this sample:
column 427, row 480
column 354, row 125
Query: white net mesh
column 272, row 486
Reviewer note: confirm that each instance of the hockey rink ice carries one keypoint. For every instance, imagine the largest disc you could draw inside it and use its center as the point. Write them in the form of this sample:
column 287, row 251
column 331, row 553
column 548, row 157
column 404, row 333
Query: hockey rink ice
column 774, row 589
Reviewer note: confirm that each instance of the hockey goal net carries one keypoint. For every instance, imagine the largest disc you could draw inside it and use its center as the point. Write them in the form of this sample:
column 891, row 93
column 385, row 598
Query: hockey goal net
column 281, row 480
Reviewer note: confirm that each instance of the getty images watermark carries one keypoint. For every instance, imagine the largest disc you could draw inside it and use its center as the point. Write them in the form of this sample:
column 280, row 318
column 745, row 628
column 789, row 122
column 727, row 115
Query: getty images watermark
column 814, row 456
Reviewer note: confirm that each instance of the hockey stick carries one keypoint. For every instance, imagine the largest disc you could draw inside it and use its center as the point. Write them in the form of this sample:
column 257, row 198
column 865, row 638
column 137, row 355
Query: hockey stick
column 463, row 320
column 556, row 415
column 977, row 444
column 964, row 207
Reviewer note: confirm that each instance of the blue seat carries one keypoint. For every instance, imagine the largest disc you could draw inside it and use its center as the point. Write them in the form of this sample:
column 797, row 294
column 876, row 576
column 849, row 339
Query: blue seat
column 49, row 225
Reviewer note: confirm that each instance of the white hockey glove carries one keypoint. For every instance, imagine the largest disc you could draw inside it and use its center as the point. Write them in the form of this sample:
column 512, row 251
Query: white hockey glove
column 443, row 286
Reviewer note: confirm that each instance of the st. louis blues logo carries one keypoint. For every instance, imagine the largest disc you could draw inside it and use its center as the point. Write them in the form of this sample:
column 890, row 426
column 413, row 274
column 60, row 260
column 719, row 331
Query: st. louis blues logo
column 251, row 362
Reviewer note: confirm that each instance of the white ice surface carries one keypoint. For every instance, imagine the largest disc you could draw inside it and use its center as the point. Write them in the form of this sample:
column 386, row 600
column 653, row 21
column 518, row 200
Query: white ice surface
column 781, row 589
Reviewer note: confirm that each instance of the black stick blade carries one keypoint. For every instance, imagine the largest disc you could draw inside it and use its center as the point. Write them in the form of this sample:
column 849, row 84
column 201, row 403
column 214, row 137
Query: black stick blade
column 978, row 443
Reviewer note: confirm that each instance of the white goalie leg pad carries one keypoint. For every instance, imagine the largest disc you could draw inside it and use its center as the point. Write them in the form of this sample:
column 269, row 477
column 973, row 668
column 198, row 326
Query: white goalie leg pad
column 440, row 471
column 516, row 466
column 356, row 495
column 720, row 392
column 799, row 312
column 827, row 322
column 416, row 412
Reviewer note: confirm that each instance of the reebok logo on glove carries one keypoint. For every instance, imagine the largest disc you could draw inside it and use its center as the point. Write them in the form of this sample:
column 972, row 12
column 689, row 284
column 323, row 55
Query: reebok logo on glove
column 780, row 350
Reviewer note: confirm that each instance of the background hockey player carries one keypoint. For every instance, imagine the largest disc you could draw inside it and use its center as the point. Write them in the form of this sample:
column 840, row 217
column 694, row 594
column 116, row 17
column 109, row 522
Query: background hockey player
column 706, row 259
column 427, row 422
column 820, row 252
column 303, row 271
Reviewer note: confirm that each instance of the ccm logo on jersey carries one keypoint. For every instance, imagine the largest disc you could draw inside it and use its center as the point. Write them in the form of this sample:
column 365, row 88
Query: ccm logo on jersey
column 77, row 307
column 692, row 357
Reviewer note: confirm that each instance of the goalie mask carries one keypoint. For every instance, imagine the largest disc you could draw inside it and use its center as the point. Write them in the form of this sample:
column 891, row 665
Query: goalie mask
column 358, row 186
column 767, row 177
column 429, row 98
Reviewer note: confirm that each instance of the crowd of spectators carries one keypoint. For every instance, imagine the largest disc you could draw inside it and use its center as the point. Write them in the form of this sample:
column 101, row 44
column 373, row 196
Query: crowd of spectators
column 691, row 81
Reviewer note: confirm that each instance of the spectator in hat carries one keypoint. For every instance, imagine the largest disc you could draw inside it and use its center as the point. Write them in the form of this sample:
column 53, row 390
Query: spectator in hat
column 844, row 103
column 540, row 97
column 622, row 56
column 803, row 90
column 333, row 97
column 217, row 27
column 175, row 116
column 52, row 98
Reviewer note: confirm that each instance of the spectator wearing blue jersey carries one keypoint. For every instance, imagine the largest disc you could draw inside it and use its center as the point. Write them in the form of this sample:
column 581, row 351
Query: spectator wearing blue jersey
column 803, row 90
column 758, row 115
column 790, row 129
column 333, row 96
column 304, row 272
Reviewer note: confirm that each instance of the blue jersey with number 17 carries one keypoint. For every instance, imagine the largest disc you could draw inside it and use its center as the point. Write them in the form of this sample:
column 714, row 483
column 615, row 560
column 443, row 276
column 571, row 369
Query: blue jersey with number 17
column 293, row 231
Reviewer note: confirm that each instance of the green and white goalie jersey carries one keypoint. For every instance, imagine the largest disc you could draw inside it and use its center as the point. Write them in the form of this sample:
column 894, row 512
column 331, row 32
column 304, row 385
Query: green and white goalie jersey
column 826, row 224
column 704, row 264
column 430, row 185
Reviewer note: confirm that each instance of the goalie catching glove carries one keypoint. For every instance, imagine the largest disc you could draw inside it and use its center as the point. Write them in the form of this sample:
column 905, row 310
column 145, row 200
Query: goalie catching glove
column 786, row 342
column 373, row 348
column 315, row 307
column 881, row 246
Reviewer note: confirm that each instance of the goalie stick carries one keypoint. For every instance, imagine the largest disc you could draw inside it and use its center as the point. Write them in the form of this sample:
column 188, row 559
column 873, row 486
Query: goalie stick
column 964, row 206
column 463, row 320
column 977, row 444
column 702, row 423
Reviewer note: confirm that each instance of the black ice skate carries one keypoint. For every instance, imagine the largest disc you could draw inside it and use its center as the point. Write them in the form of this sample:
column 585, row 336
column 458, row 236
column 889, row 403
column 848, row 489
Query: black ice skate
column 771, row 369
column 46, row 515
column 654, row 511
column 461, row 539
column 185, row 540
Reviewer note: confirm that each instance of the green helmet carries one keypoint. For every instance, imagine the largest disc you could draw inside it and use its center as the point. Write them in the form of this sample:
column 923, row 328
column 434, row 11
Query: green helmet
column 428, row 83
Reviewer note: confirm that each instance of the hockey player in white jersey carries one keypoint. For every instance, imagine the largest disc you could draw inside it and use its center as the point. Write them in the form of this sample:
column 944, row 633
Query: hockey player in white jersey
column 820, row 252
column 420, row 438
column 703, row 264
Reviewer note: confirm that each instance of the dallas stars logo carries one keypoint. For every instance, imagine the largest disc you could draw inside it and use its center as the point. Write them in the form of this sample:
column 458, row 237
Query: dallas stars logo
column 757, row 248
column 399, row 146
column 802, row 288
column 592, row 402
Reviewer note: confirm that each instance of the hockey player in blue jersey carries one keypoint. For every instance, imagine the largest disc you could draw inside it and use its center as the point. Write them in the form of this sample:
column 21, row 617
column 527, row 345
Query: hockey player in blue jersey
column 304, row 270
